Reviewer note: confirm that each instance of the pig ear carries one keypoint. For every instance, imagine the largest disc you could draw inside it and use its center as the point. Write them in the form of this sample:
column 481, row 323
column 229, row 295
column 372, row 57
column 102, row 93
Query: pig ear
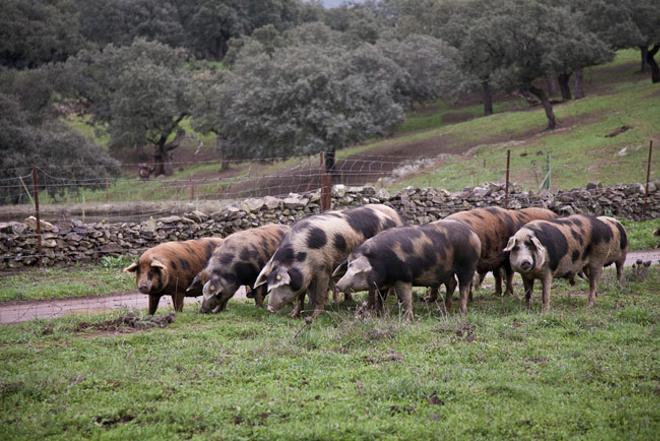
column 131, row 268
column 195, row 282
column 537, row 243
column 510, row 244
column 341, row 269
column 157, row 264
column 262, row 278
column 361, row 265
column 282, row 278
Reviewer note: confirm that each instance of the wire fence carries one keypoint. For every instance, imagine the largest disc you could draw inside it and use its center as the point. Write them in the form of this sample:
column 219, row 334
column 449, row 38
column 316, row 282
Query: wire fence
column 212, row 184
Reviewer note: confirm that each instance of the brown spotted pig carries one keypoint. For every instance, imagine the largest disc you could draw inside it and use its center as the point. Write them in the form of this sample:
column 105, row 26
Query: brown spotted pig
column 238, row 262
column 494, row 226
column 427, row 255
column 169, row 268
column 313, row 248
column 563, row 248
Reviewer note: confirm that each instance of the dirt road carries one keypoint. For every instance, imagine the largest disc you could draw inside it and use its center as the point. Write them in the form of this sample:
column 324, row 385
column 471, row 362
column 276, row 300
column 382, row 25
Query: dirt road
column 15, row 312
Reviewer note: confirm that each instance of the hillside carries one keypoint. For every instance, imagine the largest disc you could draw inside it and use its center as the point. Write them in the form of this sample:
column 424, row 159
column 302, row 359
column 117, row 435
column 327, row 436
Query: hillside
column 461, row 147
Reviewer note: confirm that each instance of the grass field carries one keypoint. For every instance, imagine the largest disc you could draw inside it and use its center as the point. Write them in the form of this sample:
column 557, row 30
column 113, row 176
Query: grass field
column 66, row 282
column 501, row 372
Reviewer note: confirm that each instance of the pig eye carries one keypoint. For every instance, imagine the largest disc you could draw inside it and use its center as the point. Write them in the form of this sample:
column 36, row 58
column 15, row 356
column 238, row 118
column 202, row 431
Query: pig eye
column 515, row 248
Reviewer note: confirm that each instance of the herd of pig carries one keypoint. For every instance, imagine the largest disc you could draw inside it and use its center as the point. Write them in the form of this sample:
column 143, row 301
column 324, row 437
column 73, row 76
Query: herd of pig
column 371, row 249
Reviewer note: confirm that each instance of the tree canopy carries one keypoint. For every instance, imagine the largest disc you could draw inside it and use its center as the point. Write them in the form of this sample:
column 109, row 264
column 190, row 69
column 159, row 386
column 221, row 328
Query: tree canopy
column 141, row 93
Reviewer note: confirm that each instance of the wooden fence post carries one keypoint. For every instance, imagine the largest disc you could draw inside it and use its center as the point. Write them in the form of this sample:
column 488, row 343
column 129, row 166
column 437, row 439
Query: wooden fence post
column 506, row 182
column 35, row 190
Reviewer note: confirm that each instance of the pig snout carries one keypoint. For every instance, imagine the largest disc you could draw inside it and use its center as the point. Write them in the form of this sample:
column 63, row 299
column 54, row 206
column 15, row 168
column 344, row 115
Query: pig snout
column 271, row 309
column 144, row 288
column 343, row 284
column 525, row 265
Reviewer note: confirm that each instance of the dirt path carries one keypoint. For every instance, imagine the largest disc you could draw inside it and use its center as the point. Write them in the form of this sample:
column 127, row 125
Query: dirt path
column 15, row 312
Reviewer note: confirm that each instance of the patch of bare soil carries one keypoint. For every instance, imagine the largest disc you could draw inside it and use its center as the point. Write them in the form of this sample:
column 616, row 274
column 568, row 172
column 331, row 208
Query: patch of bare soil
column 127, row 323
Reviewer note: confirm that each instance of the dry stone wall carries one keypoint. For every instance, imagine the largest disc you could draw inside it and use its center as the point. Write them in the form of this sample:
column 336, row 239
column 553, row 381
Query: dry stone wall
column 75, row 242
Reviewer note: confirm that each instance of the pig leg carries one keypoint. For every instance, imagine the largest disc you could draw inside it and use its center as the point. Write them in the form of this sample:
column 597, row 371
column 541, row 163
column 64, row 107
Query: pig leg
column 450, row 287
column 479, row 279
column 432, row 294
column 594, row 275
column 259, row 295
column 528, row 284
column 371, row 298
column 153, row 304
column 619, row 270
column 497, row 273
column 465, row 278
column 299, row 306
column 404, row 293
column 335, row 293
column 508, row 272
column 319, row 293
column 177, row 299
column 348, row 297
column 545, row 294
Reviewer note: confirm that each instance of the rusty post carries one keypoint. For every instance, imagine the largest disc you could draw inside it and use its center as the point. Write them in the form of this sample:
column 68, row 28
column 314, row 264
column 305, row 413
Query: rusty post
column 506, row 182
column 326, row 185
column 648, row 179
column 35, row 190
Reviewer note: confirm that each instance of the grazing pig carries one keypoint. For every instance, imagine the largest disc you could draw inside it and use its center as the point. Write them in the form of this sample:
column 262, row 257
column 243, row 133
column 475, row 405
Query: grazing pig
column 169, row 268
column 237, row 262
column 427, row 255
column 494, row 226
column 565, row 247
column 313, row 248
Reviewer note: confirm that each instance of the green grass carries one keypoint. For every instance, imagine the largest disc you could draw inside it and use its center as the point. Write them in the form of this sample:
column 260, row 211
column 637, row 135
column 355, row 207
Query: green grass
column 58, row 283
column 440, row 114
column 501, row 372
column 640, row 234
column 579, row 151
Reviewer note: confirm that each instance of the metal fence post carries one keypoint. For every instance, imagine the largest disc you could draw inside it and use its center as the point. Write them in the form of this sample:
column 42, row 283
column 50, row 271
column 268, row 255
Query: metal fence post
column 35, row 190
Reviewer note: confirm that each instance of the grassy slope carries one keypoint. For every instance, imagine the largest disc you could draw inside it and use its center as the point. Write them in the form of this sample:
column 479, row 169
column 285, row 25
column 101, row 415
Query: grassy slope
column 502, row 372
column 579, row 150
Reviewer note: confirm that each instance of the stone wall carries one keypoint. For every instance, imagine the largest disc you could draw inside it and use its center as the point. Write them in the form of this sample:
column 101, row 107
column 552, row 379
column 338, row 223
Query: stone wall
column 79, row 242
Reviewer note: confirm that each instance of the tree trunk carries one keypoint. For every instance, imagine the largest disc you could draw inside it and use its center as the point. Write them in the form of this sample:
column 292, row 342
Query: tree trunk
column 162, row 148
column 650, row 59
column 547, row 106
column 488, row 98
column 139, row 152
column 551, row 84
column 644, row 52
column 161, row 159
column 579, row 86
column 564, row 86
